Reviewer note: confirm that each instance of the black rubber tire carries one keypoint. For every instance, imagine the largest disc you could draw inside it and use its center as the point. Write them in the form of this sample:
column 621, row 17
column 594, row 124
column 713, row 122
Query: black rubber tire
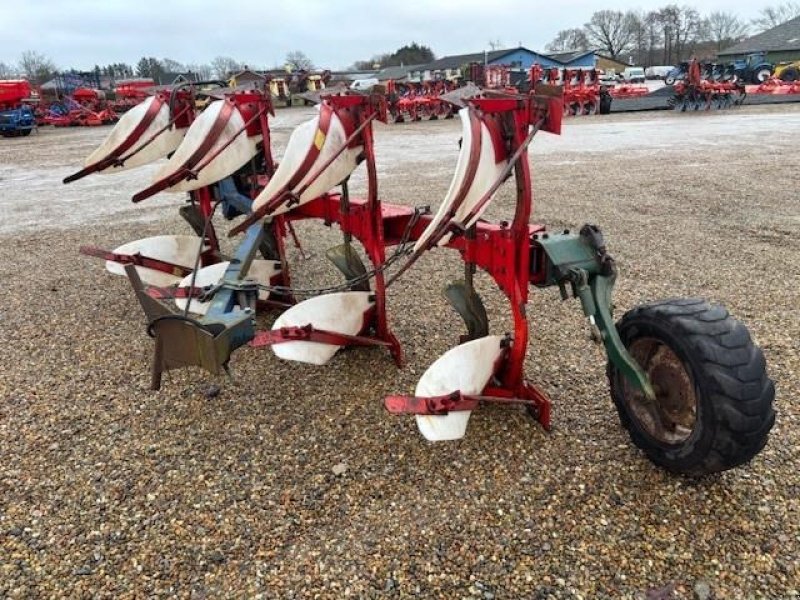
column 761, row 75
column 789, row 75
column 734, row 412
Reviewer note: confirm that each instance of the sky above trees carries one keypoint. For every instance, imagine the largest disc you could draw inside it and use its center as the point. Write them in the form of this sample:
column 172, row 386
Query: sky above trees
column 258, row 33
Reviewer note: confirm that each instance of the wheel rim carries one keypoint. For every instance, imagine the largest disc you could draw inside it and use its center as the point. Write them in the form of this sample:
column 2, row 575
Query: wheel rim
column 671, row 418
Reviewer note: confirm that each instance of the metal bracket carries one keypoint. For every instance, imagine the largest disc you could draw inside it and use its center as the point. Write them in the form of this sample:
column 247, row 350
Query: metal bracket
column 583, row 262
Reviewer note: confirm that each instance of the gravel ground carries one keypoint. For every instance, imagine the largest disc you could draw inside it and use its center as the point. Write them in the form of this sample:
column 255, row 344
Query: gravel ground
column 110, row 490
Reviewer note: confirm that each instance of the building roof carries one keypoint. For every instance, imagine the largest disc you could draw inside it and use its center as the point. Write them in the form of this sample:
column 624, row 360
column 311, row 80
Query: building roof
column 397, row 72
column 785, row 36
column 569, row 55
column 457, row 60
column 168, row 78
column 249, row 75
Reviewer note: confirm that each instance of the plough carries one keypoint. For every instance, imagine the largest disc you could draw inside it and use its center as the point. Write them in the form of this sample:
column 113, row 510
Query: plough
column 707, row 88
column 415, row 102
column 689, row 384
column 581, row 87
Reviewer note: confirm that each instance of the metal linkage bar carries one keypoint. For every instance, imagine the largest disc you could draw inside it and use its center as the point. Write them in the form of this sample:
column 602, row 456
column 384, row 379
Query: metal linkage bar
column 309, row 333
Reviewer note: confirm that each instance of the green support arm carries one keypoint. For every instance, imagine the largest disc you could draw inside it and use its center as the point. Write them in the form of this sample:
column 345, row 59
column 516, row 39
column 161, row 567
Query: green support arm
column 582, row 262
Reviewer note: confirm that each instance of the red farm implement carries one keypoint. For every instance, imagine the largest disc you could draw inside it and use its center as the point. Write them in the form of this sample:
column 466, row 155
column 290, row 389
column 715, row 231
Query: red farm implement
column 628, row 90
column 581, row 87
column 14, row 92
column 776, row 87
column 415, row 102
column 84, row 107
column 670, row 364
column 130, row 92
column 706, row 89
column 18, row 101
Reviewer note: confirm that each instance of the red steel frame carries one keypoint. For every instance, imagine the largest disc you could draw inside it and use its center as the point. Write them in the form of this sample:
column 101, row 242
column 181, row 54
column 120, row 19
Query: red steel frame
column 503, row 250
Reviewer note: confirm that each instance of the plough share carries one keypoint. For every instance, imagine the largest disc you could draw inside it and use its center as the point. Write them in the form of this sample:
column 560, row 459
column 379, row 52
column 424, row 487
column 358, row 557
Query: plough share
column 688, row 382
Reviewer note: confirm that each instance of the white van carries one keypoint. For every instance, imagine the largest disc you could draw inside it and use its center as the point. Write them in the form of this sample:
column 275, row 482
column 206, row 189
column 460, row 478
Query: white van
column 633, row 75
column 364, row 85
column 659, row 72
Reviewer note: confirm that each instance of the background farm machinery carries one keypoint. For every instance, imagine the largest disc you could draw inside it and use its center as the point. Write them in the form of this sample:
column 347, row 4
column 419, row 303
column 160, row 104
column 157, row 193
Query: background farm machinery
column 17, row 102
column 418, row 101
column 201, row 305
column 74, row 99
column 297, row 84
column 581, row 90
column 707, row 86
column 130, row 92
column 83, row 107
column 753, row 69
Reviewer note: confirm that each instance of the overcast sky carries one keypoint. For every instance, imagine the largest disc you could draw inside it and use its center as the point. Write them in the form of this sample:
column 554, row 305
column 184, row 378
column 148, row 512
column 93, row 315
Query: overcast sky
column 333, row 33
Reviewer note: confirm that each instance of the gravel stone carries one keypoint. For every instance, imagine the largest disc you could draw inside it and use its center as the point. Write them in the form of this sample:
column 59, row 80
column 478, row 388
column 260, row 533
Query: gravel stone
column 702, row 590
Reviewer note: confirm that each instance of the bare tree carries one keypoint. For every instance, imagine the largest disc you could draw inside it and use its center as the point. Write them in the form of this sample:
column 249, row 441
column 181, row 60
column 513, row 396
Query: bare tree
column 35, row 66
column 611, row 30
column 204, row 71
column 495, row 44
column 569, row 39
column 224, row 66
column 639, row 42
column 689, row 28
column 725, row 28
column 172, row 66
column 6, row 71
column 652, row 27
column 772, row 16
column 298, row 61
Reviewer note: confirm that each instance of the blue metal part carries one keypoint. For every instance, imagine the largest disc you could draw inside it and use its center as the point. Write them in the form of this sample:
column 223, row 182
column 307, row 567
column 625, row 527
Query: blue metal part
column 17, row 121
column 233, row 203
column 234, row 290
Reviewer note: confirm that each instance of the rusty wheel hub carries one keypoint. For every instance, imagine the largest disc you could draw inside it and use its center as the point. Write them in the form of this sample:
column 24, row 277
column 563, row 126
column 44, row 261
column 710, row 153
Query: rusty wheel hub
column 672, row 417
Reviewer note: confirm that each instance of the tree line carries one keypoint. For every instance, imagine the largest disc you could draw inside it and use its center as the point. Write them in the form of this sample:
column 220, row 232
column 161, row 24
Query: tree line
column 38, row 68
column 667, row 35
column 410, row 54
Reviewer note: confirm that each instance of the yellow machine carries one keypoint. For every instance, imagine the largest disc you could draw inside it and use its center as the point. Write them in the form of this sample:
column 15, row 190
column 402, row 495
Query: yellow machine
column 315, row 83
column 788, row 71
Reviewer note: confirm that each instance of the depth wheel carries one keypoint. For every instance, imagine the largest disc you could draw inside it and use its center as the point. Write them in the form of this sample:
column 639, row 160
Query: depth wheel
column 713, row 408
